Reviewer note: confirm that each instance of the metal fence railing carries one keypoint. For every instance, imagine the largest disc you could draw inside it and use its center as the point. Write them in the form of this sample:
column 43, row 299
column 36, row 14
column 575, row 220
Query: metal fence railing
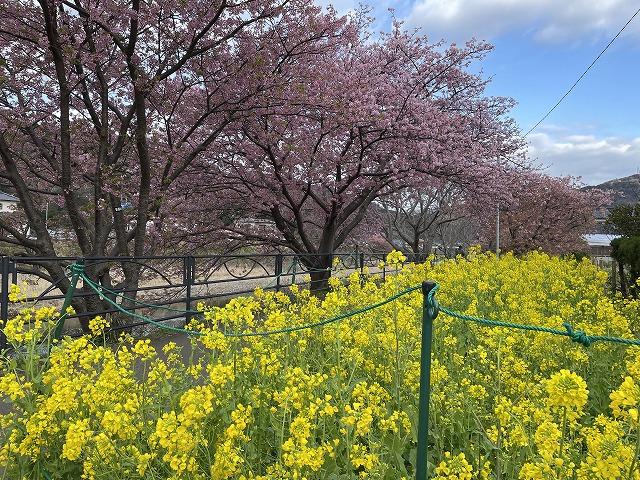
column 177, row 283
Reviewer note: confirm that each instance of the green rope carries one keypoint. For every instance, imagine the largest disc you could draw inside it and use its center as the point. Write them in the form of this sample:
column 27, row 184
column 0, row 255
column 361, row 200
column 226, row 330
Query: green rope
column 144, row 304
column 77, row 268
column 329, row 320
column 577, row 336
column 97, row 288
column 74, row 268
column 77, row 271
column 144, row 318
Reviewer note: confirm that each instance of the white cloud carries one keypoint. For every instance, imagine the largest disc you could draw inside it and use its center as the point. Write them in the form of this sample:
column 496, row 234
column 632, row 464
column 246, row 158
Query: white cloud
column 595, row 159
column 546, row 20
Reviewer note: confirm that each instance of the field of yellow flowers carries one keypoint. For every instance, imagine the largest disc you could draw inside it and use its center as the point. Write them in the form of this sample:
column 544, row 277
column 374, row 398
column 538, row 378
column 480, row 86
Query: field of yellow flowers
column 341, row 401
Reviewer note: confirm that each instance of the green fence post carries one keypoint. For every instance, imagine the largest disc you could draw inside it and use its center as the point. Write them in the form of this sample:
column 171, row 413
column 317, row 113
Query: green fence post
column 76, row 270
column 429, row 313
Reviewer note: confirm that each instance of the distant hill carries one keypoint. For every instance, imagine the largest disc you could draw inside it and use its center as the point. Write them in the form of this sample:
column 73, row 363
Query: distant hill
column 623, row 190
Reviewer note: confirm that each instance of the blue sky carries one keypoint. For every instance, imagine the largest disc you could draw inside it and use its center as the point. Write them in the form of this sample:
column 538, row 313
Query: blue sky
column 541, row 47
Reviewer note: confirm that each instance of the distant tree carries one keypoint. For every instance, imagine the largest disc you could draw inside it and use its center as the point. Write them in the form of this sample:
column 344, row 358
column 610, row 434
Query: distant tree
column 543, row 212
column 455, row 237
column 626, row 252
column 414, row 218
column 624, row 220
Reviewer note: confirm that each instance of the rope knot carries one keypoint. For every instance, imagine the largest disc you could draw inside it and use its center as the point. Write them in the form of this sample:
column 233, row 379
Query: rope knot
column 77, row 268
column 432, row 306
column 578, row 336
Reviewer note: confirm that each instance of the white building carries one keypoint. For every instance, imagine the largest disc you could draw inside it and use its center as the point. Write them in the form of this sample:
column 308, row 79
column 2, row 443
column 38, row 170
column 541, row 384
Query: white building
column 8, row 203
column 599, row 239
column 600, row 248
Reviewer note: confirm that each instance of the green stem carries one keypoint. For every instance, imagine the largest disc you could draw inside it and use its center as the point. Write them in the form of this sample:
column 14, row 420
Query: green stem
column 635, row 454
column 478, row 466
column 564, row 429
column 499, row 391
column 397, row 353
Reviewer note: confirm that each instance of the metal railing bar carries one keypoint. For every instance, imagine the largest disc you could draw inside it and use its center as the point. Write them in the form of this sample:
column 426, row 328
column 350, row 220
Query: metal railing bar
column 82, row 294
column 231, row 280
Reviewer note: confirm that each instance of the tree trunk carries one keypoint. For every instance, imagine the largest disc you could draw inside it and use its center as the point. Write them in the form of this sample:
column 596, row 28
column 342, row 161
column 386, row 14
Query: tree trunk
column 623, row 280
column 415, row 248
column 320, row 281
column 320, row 273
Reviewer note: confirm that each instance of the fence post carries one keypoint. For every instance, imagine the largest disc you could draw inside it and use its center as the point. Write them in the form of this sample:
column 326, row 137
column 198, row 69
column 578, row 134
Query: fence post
column 614, row 280
column 189, row 267
column 361, row 260
column 13, row 267
column 4, row 299
column 278, row 272
column 429, row 313
column 5, row 288
column 293, row 268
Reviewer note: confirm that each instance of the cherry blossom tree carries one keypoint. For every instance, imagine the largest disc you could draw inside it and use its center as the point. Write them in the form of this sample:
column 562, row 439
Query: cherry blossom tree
column 271, row 121
column 112, row 104
column 369, row 117
column 543, row 212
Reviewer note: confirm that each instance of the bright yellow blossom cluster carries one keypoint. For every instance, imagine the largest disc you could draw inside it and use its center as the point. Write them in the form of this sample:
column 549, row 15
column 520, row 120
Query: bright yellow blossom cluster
column 568, row 391
column 16, row 294
column 28, row 325
column 340, row 400
column 98, row 324
column 454, row 468
column 395, row 258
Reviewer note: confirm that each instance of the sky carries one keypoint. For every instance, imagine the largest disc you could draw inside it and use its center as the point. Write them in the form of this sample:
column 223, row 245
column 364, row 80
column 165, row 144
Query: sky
column 540, row 48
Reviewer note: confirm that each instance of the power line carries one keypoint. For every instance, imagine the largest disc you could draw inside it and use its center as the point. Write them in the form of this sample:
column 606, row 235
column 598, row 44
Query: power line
column 583, row 74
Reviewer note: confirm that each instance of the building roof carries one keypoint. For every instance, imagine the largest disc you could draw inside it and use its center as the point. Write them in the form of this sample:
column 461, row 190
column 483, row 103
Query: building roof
column 5, row 197
column 599, row 239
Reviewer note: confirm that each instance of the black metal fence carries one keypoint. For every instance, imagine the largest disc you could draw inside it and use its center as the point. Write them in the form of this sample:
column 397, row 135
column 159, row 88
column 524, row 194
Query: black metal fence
column 176, row 283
